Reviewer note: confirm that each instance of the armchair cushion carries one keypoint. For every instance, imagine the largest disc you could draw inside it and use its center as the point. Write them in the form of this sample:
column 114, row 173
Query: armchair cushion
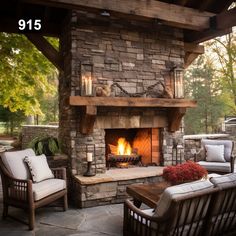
column 228, row 146
column 14, row 163
column 215, row 153
column 39, row 168
column 216, row 166
column 47, row 187
column 176, row 191
column 224, row 181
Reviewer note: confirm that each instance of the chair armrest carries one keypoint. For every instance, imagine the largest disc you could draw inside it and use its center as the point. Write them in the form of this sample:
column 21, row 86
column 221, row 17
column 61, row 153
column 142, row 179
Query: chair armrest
column 18, row 189
column 59, row 173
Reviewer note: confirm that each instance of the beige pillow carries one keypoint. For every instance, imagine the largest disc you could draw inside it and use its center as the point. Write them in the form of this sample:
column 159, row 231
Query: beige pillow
column 215, row 153
column 38, row 167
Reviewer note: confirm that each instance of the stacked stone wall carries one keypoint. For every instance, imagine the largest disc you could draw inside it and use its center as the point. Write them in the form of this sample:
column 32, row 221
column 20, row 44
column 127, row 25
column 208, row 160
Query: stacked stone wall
column 29, row 132
column 131, row 54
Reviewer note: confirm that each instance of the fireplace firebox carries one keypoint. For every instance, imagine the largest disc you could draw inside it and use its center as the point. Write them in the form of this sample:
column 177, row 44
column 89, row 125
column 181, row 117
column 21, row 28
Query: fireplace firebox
column 126, row 147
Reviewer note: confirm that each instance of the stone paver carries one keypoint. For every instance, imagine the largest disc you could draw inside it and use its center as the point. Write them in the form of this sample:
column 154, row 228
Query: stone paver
column 102, row 220
column 95, row 221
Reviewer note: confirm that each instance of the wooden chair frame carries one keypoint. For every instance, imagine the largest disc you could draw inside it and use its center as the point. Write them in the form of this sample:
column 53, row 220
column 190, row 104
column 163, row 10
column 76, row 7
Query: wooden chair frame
column 137, row 223
column 18, row 193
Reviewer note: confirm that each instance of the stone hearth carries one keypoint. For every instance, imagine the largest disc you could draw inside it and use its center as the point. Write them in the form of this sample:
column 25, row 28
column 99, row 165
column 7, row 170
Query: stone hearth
column 110, row 187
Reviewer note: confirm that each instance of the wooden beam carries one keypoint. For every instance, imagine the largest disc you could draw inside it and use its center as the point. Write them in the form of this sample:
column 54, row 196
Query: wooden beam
column 220, row 25
column 192, row 51
column 88, row 118
column 170, row 14
column 194, row 48
column 199, row 37
column 130, row 102
column 224, row 20
column 175, row 116
column 47, row 49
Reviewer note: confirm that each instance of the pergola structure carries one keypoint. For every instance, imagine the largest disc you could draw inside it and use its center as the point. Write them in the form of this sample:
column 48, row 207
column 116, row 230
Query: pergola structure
column 200, row 20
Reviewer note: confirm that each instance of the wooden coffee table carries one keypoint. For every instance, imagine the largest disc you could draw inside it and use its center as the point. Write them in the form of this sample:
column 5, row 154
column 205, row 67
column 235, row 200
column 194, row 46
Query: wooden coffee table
column 148, row 194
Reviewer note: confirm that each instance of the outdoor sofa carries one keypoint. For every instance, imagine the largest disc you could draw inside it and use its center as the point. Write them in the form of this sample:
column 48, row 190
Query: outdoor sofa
column 198, row 208
column 28, row 183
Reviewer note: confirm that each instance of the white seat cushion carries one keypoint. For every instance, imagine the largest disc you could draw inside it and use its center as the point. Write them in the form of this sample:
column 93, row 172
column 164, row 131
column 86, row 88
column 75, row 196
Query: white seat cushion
column 176, row 191
column 216, row 166
column 39, row 168
column 47, row 187
column 14, row 163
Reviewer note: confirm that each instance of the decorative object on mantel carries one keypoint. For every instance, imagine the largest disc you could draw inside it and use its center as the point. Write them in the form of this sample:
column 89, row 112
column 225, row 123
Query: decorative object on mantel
column 186, row 172
column 149, row 92
column 86, row 80
column 91, row 158
column 177, row 74
column 103, row 91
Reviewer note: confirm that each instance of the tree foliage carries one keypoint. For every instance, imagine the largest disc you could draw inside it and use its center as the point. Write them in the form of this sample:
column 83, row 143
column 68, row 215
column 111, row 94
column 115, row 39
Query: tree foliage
column 223, row 53
column 203, row 86
column 25, row 75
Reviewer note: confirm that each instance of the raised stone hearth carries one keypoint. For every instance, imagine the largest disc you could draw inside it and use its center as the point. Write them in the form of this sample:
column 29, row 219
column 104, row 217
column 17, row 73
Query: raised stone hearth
column 110, row 187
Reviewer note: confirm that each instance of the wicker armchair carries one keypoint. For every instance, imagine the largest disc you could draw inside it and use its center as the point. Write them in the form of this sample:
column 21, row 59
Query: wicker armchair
column 217, row 167
column 21, row 193
column 186, row 215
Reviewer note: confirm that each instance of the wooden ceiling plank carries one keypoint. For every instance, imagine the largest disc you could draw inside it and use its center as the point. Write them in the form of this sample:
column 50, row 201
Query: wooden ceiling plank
column 47, row 49
column 182, row 2
column 205, row 4
column 171, row 14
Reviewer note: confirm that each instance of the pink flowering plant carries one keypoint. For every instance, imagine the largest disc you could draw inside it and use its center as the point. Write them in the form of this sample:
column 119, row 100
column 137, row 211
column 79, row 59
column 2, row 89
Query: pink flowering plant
column 186, row 172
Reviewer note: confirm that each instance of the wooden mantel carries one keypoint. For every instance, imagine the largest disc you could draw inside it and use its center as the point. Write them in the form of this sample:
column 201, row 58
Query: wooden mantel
column 176, row 108
column 131, row 102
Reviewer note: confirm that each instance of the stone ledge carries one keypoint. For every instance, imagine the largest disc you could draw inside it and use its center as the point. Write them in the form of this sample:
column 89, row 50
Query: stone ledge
column 114, row 175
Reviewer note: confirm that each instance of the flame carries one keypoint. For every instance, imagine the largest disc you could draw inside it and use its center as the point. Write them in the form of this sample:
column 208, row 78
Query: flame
column 123, row 147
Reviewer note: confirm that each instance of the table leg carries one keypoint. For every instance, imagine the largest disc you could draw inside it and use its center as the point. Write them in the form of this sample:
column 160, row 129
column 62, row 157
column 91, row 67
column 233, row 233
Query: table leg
column 137, row 203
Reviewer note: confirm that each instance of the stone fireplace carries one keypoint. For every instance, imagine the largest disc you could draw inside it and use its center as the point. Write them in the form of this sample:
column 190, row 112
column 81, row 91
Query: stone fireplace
column 132, row 62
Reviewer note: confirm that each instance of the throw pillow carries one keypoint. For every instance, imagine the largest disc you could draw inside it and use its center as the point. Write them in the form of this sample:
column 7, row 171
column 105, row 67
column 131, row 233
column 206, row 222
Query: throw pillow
column 215, row 153
column 39, row 168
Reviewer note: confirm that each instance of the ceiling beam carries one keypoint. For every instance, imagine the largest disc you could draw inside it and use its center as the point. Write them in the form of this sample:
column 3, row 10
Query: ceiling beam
column 47, row 49
column 225, row 19
column 169, row 14
column 205, row 35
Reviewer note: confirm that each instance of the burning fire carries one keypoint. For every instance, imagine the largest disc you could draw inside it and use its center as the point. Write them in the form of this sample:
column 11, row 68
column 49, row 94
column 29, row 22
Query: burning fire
column 123, row 147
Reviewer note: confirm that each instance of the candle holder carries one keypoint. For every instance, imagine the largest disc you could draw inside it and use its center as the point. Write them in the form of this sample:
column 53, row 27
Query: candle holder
column 86, row 80
column 91, row 157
